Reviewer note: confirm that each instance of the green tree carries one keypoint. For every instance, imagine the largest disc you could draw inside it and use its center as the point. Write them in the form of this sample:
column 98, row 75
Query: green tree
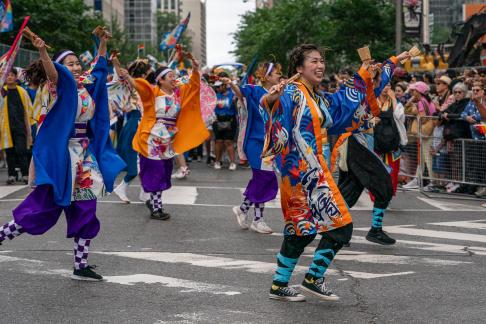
column 62, row 24
column 342, row 26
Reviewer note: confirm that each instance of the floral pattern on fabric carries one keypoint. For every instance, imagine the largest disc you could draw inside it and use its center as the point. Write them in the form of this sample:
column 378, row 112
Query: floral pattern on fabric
column 167, row 109
column 309, row 196
column 87, row 179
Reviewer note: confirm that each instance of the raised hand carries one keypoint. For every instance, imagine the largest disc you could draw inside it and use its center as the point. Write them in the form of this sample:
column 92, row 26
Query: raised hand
column 404, row 56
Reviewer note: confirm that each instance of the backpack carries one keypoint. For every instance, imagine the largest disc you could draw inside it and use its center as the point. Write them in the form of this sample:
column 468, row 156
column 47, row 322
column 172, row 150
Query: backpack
column 386, row 135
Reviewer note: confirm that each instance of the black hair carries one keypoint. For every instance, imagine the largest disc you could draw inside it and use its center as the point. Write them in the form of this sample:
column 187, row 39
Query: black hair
column 59, row 53
column 138, row 68
column 14, row 71
column 297, row 56
column 35, row 74
column 160, row 70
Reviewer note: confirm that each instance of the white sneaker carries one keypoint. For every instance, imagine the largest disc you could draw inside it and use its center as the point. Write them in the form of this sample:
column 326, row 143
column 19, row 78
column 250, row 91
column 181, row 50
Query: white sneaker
column 430, row 187
column 453, row 188
column 144, row 196
column 121, row 192
column 232, row 167
column 261, row 227
column 217, row 165
column 182, row 173
column 241, row 217
column 412, row 184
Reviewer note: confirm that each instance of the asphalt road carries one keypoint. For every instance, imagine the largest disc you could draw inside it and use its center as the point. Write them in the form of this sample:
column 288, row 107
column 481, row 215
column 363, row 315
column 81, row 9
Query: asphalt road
column 199, row 267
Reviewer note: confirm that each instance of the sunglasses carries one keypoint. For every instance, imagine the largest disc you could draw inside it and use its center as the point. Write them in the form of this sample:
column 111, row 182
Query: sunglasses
column 456, row 92
column 476, row 90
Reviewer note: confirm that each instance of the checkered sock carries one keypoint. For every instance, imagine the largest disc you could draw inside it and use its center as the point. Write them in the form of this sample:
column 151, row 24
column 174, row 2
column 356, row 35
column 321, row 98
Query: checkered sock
column 156, row 200
column 258, row 212
column 81, row 249
column 245, row 205
column 10, row 230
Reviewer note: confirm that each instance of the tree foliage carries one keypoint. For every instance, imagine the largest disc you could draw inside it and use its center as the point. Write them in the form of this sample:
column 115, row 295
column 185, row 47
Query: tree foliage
column 341, row 26
column 68, row 24
column 62, row 24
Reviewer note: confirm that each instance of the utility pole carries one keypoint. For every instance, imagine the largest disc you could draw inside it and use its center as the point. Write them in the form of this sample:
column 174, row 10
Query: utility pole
column 398, row 26
column 425, row 22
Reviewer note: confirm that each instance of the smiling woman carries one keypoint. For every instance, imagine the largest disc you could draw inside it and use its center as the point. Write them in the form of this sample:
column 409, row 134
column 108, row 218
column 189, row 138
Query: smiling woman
column 296, row 118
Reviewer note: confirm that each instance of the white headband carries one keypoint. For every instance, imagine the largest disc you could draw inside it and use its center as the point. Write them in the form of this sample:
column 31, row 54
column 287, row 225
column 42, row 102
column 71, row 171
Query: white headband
column 269, row 70
column 161, row 74
column 63, row 56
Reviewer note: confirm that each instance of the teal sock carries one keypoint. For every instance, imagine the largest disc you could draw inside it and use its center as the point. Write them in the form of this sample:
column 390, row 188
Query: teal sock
column 320, row 263
column 378, row 214
column 285, row 267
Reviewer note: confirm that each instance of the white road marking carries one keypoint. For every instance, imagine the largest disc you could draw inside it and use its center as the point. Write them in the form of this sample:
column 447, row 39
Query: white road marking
column 413, row 231
column 209, row 261
column 448, row 206
column 187, row 196
column 474, row 224
column 427, row 246
column 187, row 285
column 37, row 267
column 8, row 190
column 271, row 206
column 180, row 195
column 365, row 257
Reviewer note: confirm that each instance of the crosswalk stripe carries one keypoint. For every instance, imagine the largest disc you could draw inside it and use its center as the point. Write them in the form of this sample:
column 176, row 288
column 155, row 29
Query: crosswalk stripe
column 8, row 190
column 188, row 285
column 449, row 206
column 427, row 246
column 209, row 261
column 37, row 267
column 479, row 224
column 413, row 231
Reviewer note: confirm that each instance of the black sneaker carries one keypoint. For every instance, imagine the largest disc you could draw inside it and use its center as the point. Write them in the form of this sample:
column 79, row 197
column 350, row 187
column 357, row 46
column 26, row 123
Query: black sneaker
column 376, row 235
column 149, row 206
column 318, row 288
column 285, row 293
column 11, row 180
column 160, row 215
column 86, row 274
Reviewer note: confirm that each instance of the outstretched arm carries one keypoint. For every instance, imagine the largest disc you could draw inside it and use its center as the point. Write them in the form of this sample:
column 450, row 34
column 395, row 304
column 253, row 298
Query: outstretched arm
column 47, row 63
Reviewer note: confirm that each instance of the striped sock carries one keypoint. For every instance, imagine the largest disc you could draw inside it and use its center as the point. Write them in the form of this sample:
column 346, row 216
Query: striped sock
column 378, row 214
column 258, row 212
column 245, row 205
column 285, row 267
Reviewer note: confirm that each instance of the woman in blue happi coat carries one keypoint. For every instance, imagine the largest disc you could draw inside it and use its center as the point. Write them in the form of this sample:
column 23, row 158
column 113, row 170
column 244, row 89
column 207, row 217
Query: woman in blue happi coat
column 74, row 162
column 263, row 185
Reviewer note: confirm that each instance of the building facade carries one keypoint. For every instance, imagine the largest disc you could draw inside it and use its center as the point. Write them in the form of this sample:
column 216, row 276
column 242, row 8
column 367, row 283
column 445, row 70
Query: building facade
column 140, row 21
column 448, row 12
column 113, row 11
column 197, row 24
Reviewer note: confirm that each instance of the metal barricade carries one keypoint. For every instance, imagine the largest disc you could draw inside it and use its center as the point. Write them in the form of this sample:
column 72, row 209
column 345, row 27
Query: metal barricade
column 24, row 57
column 410, row 154
column 448, row 162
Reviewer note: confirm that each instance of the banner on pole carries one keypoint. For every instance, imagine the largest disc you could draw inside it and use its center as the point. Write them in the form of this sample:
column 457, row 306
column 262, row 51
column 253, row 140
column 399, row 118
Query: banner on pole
column 412, row 17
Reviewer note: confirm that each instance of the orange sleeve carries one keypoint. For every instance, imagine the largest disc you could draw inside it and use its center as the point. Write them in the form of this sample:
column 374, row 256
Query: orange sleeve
column 370, row 91
column 394, row 60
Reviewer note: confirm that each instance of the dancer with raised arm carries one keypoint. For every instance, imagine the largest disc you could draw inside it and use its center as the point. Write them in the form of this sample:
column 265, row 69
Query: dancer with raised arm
column 297, row 118
column 74, row 161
